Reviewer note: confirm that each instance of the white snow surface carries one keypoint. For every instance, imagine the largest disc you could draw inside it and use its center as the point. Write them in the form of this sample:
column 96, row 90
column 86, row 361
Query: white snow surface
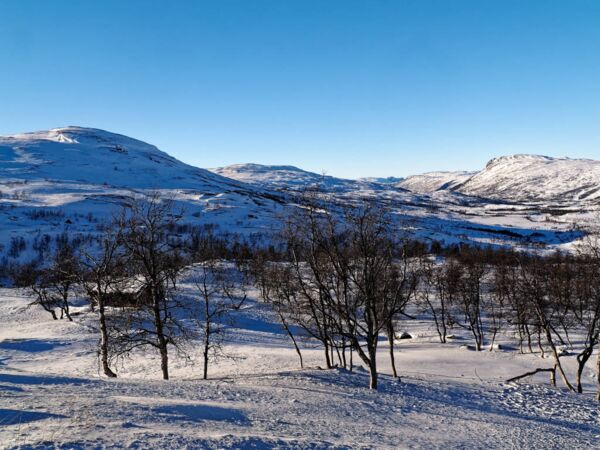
column 51, row 394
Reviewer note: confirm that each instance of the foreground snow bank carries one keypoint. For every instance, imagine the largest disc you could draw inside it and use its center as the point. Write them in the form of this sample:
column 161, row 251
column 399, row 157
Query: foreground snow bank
column 310, row 409
column 51, row 396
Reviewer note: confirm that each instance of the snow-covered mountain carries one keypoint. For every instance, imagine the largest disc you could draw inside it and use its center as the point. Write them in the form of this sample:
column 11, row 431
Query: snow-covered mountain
column 85, row 155
column 78, row 176
column 280, row 177
column 527, row 179
column 533, row 178
column 285, row 178
column 429, row 182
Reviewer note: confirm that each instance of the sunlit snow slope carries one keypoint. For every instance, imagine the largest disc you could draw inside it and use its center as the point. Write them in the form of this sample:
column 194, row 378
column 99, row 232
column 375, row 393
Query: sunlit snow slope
column 80, row 176
column 528, row 178
column 434, row 181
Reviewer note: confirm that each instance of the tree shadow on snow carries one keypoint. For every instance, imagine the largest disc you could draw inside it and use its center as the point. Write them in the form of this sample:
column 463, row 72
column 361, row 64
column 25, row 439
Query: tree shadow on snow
column 200, row 413
column 16, row 417
column 39, row 379
column 8, row 388
column 30, row 345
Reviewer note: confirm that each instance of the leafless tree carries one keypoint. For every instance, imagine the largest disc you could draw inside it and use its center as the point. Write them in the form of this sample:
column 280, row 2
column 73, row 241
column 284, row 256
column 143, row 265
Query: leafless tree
column 277, row 288
column 471, row 296
column 533, row 286
column 53, row 284
column 347, row 272
column 587, row 310
column 220, row 291
column 154, row 262
column 438, row 292
column 103, row 276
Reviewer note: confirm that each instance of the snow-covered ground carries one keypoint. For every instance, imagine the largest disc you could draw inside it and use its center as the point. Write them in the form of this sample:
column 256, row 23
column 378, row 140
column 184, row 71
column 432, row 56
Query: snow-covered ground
column 51, row 395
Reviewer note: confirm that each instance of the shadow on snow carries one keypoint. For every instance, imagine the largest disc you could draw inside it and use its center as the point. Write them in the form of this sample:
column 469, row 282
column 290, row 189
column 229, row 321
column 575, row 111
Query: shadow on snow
column 16, row 417
column 30, row 345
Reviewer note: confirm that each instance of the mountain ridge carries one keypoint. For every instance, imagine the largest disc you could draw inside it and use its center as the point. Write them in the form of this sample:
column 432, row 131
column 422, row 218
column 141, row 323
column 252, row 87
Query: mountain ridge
column 79, row 171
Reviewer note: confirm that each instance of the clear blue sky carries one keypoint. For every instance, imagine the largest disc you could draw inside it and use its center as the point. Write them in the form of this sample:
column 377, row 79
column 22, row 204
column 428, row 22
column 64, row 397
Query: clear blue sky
column 353, row 88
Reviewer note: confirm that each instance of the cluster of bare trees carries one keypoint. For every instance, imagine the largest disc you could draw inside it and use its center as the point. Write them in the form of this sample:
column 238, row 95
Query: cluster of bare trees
column 343, row 277
column 129, row 277
column 550, row 303
column 345, row 281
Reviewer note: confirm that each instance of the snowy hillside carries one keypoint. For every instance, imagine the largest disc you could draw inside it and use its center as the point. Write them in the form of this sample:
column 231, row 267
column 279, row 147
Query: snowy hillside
column 84, row 155
column 532, row 178
column 291, row 178
column 433, row 205
column 434, row 181
column 70, row 179
column 79, row 176
column 278, row 176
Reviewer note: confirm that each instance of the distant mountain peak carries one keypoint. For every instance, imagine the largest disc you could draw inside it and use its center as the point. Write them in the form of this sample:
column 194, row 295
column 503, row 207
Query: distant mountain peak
column 529, row 177
column 261, row 167
column 520, row 157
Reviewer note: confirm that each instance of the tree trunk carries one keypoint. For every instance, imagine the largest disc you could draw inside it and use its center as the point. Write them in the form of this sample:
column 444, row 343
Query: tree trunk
column 206, row 347
column 559, row 366
column 291, row 335
column 493, row 339
column 390, row 335
column 160, row 336
column 331, row 355
column 528, row 338
column 520, row 331
column 369, row 359
column 205, row 368
column 539, row 342
column 598, row 371
column 582, row 360
column 162, row 346
column 352, row 365
column 104, row 339
column 164, row 360
column 373, row 367
column 66, row 308
column 327, row 360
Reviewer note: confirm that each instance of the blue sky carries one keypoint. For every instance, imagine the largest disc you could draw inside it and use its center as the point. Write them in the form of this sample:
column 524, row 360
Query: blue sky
column 352, row 88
